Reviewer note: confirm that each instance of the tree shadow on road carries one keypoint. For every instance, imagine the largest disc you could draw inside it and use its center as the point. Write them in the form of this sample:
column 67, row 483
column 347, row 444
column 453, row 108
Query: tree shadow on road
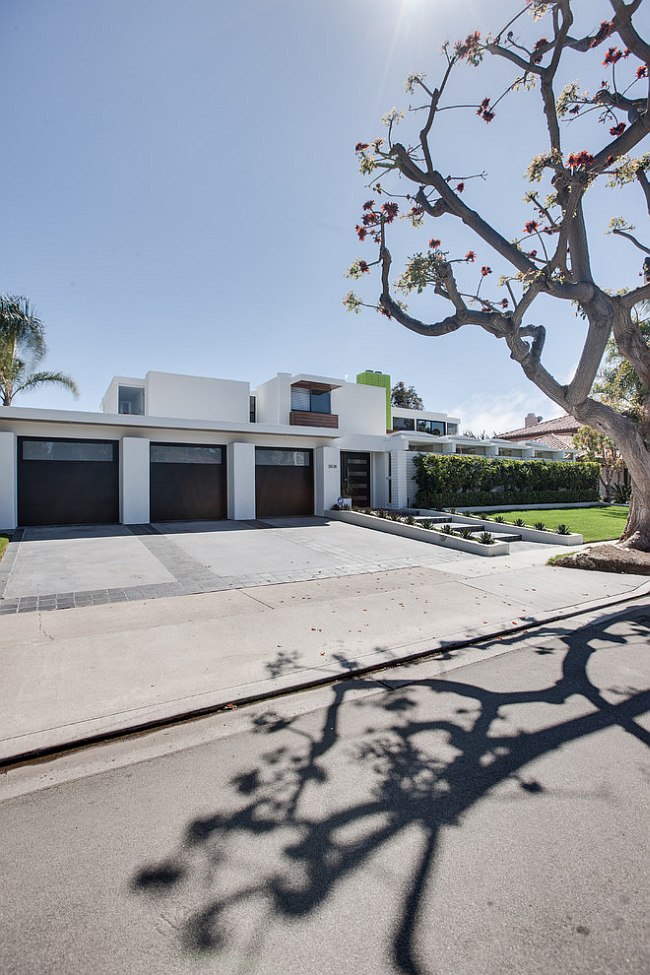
column 430, row 752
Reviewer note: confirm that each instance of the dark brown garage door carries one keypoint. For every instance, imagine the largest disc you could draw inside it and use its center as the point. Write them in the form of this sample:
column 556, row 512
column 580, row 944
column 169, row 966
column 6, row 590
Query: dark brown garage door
column 284, row 482
column 68, row 482
column 188, row 482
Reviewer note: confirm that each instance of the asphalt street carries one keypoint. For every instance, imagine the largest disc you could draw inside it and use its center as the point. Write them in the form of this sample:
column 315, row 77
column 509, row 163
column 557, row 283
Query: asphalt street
column 489, row 819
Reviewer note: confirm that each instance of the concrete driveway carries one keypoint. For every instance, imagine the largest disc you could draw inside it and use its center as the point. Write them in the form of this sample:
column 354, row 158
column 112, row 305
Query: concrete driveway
column 63, row 567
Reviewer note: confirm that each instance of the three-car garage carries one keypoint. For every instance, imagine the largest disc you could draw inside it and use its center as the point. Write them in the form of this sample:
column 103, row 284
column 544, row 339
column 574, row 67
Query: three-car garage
column 74, row 481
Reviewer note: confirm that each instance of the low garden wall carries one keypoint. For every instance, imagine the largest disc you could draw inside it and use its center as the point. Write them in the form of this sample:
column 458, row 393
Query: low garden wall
column 419, row 534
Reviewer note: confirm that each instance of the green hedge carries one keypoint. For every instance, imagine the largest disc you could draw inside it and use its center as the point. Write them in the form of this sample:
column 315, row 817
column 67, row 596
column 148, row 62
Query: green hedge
column 449, row 481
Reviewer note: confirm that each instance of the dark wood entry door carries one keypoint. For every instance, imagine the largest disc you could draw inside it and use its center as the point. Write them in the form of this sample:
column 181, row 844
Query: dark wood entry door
column 188, row 482
column 68, row 482
column 284, row 482
column 355, row 473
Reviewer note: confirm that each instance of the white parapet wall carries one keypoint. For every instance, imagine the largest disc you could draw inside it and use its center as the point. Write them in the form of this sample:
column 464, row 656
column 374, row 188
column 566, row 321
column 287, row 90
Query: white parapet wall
column 8, row 492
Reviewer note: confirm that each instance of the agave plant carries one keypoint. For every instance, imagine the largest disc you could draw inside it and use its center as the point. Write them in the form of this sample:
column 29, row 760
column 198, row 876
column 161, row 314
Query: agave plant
column 563, row 529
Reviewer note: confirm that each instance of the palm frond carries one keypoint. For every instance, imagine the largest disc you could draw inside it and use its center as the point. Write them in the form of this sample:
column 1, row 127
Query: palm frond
column 36, row 379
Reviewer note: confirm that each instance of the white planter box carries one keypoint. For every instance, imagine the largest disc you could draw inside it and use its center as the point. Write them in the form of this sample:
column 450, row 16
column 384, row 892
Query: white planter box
column 527, row 534
column 419, row 534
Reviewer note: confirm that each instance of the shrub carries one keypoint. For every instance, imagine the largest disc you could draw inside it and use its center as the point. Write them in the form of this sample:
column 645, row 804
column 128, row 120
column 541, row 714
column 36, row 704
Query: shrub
column 540, row 526
column 563, row 530
column 446, row 530
column 485, row 538
column 500, row 519
column 622, row 493
column 447, row 481
column 466, row 532
column 409, row 520
column 519, row 522
column 426, row 524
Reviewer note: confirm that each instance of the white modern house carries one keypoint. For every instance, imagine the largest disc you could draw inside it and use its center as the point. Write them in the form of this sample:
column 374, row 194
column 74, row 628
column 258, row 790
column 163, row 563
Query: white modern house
column 170, row 447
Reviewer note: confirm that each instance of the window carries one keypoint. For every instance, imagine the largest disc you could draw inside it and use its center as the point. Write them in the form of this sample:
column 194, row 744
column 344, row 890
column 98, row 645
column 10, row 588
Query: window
column 185, row 454
column 403, row 423
column 320, row 402
column 272, row 457
column 252, row 409
column 434, row 427
column 452, row 428
column 130, row 400
column 67, row 450
column 305, row 400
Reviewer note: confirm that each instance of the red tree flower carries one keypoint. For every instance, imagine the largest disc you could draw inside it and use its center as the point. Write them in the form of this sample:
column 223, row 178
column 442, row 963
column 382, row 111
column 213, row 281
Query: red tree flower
column 613, row 55
column 605, row 30
column 470, row 256
column 642, row 71
column 579, row 160
column 485, row 270
column 434, row 243
column 531, row 226
column 389, row 211
column 537, row 52
column 460, row 187
column 360, row 146
column 617, row 129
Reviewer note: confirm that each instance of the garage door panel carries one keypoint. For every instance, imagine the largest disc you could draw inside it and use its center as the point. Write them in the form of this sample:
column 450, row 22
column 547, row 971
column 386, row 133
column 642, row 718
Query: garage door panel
column 284, row 482
column 188, row 482
column 59, row 485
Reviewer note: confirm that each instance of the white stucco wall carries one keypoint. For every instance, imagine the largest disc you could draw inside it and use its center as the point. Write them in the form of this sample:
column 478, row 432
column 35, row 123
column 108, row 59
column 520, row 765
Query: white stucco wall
column 134, row 481
column 379, row 480
column 196, row 397
column 361, row 409
column 399, row 472
column 8, row 492
column 273, row 399
column 241, row 481
column 327, row 478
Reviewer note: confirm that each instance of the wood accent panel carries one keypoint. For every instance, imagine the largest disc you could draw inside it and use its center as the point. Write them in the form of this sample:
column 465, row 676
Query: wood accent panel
column 303, row 418
column 317, row 387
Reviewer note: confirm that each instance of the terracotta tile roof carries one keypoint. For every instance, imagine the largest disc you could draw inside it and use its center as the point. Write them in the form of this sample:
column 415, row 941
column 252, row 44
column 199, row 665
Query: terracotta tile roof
column 565, row 424
column 555, row 443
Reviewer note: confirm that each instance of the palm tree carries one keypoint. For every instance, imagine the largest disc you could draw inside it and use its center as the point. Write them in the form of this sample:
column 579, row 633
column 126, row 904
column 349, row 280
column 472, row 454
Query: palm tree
column 22, row 347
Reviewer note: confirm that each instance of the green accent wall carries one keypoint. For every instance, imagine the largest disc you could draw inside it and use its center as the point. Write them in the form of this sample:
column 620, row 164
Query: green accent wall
column 370, row 378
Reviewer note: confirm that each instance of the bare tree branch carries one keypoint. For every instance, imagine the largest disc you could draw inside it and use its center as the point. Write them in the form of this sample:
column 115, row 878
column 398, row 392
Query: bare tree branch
column 632, row 238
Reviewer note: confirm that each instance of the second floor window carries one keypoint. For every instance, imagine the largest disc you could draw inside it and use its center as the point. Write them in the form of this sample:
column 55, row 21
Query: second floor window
column 130, row 400
column 310, row 400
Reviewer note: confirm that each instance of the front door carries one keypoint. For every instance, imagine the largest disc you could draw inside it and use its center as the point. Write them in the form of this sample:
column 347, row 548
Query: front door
column 355, row 477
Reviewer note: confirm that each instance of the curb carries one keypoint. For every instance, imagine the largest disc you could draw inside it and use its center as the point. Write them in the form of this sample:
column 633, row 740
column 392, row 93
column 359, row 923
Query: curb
column 223, row 704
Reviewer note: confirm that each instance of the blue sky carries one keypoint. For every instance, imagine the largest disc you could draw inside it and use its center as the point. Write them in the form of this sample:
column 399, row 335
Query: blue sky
column 180, row 190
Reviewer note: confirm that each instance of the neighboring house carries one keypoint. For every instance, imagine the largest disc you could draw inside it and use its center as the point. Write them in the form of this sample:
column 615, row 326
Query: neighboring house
column 557, row 434
column 169, row 448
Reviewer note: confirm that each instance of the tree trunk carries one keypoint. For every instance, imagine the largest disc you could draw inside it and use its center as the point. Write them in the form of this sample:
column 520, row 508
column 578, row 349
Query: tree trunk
column 637, row 529
column 636, row 456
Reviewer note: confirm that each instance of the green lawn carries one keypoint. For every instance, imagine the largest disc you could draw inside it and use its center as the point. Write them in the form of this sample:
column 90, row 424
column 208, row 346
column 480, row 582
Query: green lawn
column 594, row 524
column 4, row 539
